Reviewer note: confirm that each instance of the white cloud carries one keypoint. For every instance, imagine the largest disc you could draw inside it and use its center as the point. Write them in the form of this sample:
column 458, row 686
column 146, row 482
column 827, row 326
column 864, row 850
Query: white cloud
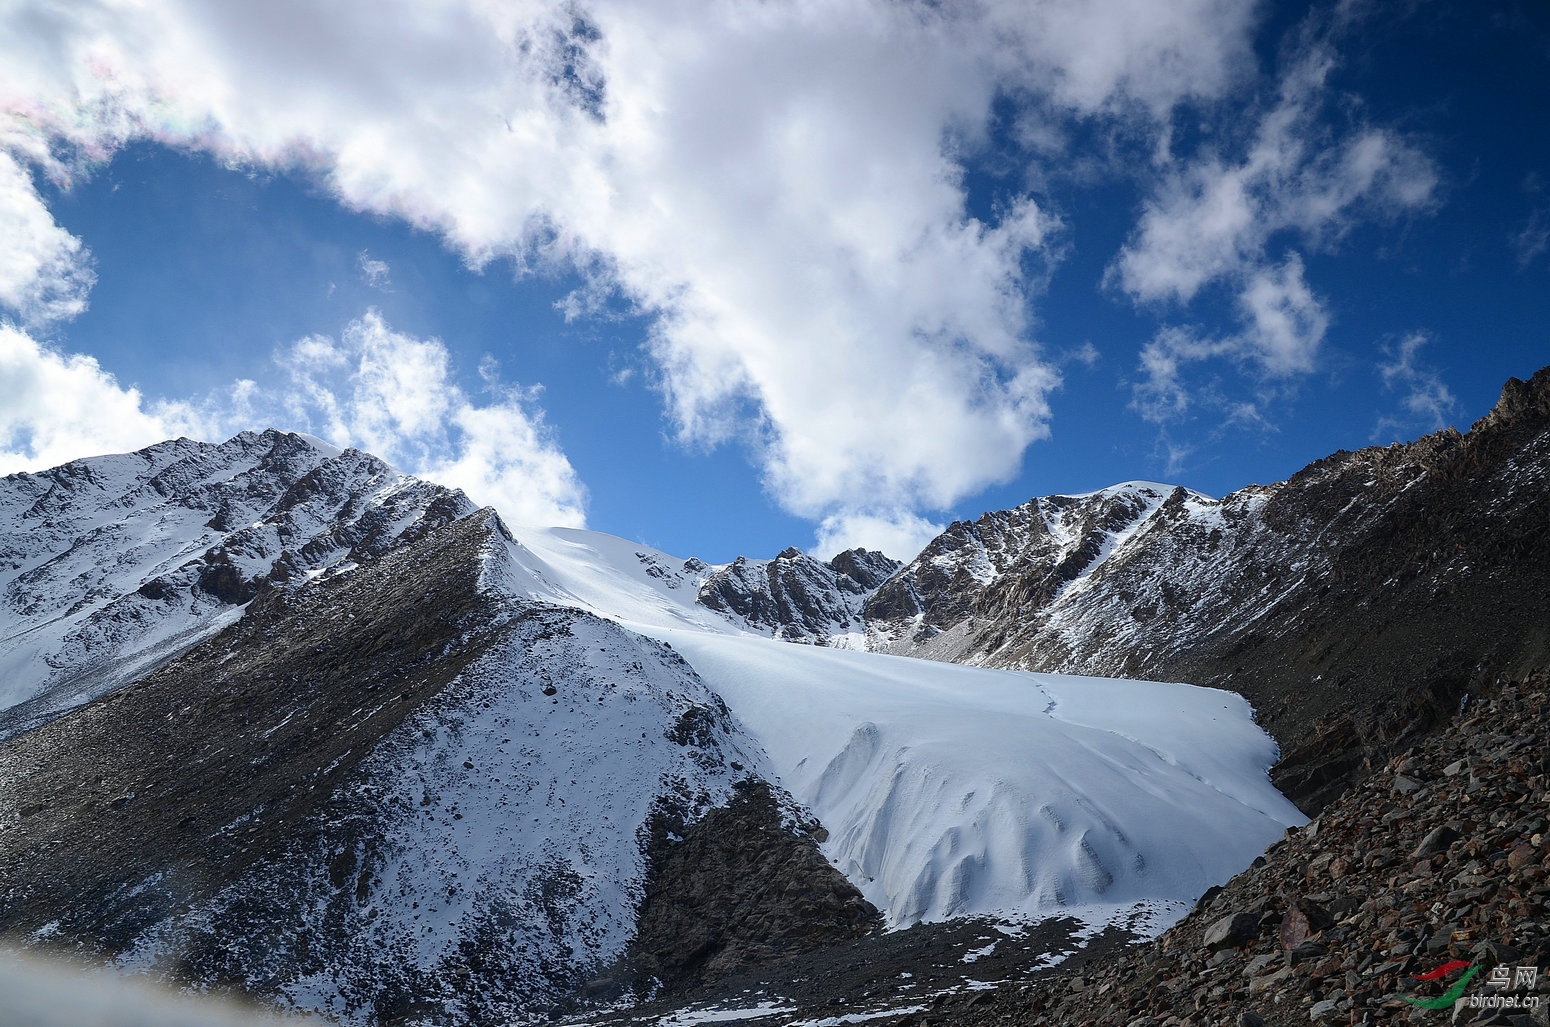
column 57, row 407
column 778, row 184
column 1286, row 322
column 45, row 272
column 1283, row 324
column 896, row 533
column 1217, row 219
column 1213, row 218
column 375, row 272
column 373, row 388
column 1428, row 404
column 394, row 395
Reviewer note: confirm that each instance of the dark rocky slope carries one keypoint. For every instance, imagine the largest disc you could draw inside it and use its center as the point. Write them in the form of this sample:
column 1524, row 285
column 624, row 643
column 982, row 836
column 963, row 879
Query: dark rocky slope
column 743, row 887
column 1443, row 855
column 117, row 815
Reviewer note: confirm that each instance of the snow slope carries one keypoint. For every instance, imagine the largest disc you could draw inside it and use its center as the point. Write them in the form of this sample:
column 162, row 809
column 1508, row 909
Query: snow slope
column 951, row 790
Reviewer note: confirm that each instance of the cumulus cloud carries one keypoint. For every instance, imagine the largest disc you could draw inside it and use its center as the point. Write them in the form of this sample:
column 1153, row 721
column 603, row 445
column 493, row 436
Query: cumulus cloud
column 395, row 396
column 778, row 185
column 372, row 388
column 896, row 533
column 45, row 272
column 56, row 407
column 1427, row 403
column 1218, row 219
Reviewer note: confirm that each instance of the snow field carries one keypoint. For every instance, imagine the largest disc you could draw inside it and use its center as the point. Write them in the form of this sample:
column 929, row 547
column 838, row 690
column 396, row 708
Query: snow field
column 953, row 790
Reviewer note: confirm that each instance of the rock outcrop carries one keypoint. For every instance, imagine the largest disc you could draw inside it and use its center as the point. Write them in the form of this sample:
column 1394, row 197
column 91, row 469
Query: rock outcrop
column 798, row 598
column 743, row 887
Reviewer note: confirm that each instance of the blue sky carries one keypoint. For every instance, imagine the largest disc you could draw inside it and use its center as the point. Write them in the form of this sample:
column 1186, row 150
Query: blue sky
column 728, row 279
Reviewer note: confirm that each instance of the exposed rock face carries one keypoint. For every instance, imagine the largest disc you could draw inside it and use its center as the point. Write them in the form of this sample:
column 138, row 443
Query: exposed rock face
column 1346, row 911
column 1013, row 563
column 796, row 597
column 743, row 887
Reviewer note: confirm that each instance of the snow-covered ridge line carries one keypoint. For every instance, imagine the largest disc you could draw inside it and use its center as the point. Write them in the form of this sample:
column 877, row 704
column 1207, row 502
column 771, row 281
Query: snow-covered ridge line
column 112, row 564
column 946, row 790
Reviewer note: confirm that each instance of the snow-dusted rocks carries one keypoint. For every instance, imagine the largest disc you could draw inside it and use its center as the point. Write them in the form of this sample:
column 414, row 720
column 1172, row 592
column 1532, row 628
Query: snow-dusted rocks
column 1012, row 564
column 797, row 598
column 112, row 564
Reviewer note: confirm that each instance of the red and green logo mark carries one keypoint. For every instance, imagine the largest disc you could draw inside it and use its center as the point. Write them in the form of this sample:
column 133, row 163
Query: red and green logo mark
column 1454, row 993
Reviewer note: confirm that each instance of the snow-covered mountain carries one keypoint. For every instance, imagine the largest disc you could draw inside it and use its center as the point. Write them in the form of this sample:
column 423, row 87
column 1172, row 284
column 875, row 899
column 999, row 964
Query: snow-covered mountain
column 1353, row 604
column 797, row 598
column 287, row 720
column 1041, row 555
column 109, row 565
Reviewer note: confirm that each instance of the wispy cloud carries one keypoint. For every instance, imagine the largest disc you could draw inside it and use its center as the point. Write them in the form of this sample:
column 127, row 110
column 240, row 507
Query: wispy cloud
column 375, row 272
column 1426, row 404
column 1281, row 325
column 1533, row 240
column 1219, row 219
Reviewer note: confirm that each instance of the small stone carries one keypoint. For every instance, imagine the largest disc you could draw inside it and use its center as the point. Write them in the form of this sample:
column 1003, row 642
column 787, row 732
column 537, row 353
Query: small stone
column 1259, row 963
column 1493, row 953
column 1233, row 931
column 1437, row 840
column 1521, row 856
column 1324, row 1010
column 1453, row 769
column 1306, row 951
column 1406, row 785
column 1249, row 1018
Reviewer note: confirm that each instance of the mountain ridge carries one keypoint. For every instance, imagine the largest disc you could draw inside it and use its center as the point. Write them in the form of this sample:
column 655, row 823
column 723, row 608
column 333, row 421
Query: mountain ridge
column 350, row 745
column 1324, row 598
